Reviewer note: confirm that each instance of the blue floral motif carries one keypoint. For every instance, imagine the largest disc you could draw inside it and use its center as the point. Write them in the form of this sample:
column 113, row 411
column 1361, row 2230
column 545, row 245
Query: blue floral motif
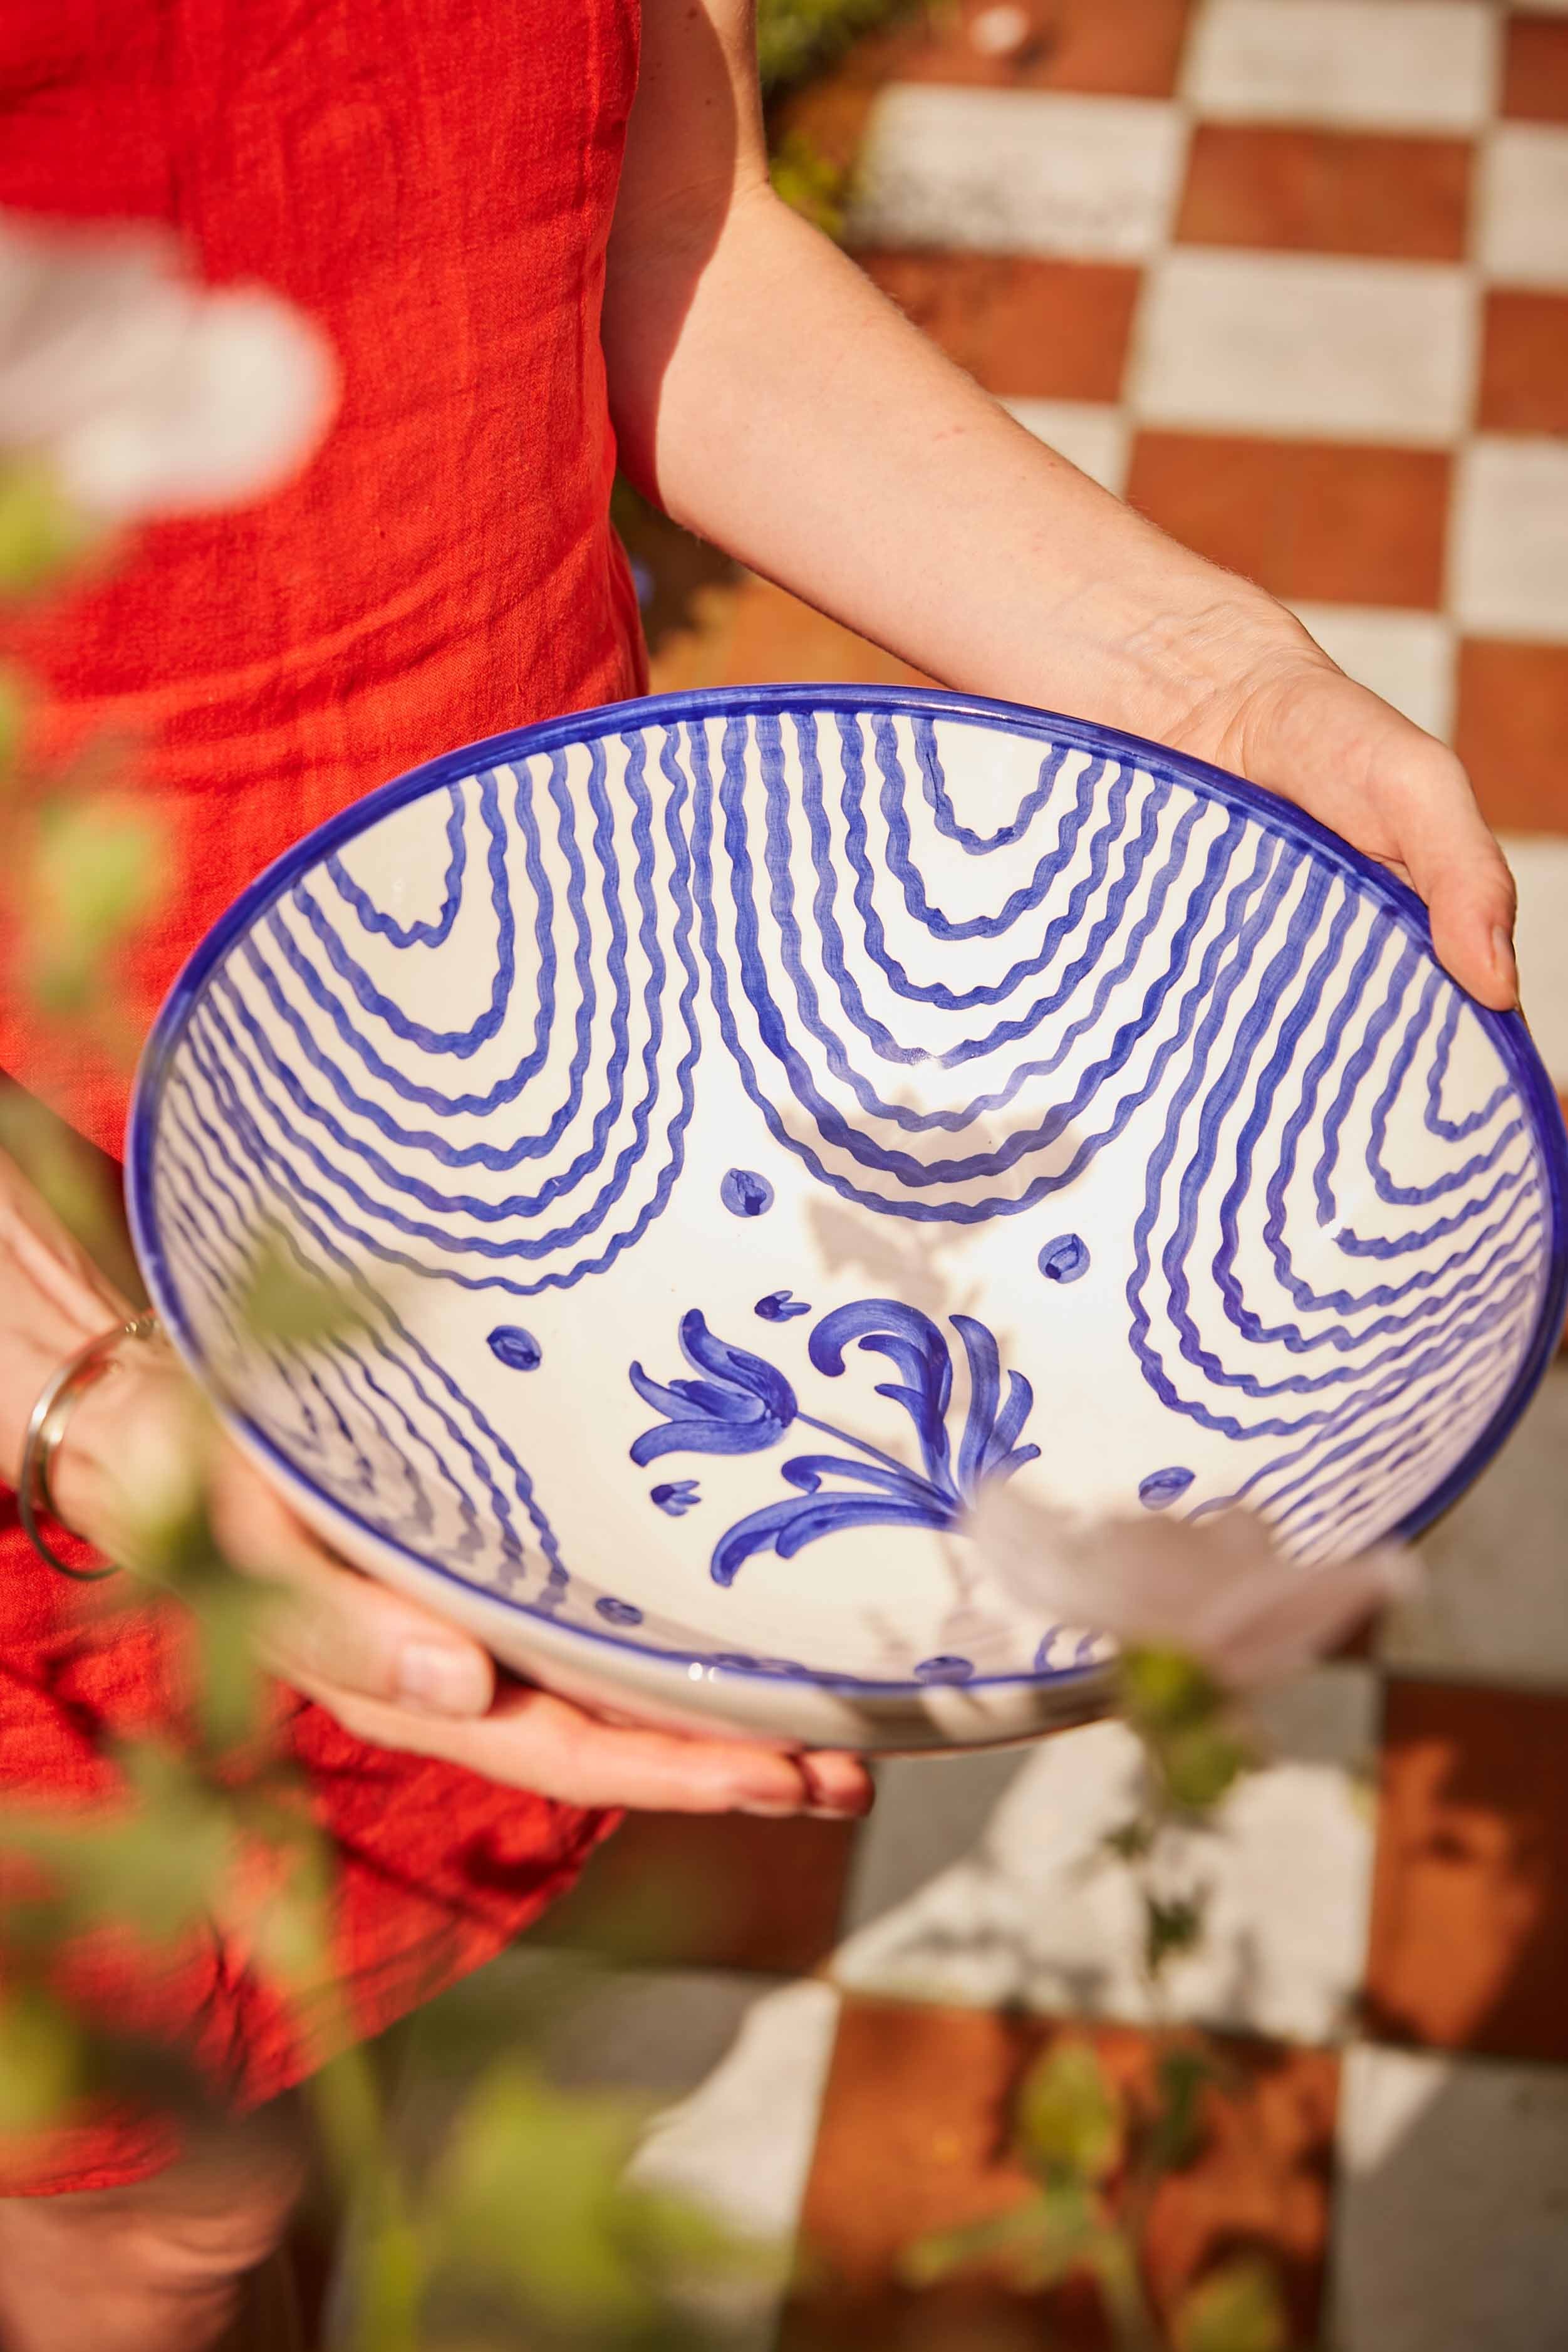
column 780, row 1306
column 1161, row 1488
column 742, row 1406
column 676, row 1497
column 619, row 1613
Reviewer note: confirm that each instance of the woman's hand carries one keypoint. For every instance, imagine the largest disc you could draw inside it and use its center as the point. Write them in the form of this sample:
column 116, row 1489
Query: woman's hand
column 390, row 1671
column 1267, row 702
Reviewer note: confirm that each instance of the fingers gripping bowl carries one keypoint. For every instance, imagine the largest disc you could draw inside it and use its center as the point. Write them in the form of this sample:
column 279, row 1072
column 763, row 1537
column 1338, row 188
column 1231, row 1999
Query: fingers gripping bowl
column 748, row 1124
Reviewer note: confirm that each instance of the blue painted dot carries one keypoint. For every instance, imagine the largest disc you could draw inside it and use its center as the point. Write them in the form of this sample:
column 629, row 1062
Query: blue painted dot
column 780, row 1306
column 1161, row 1488
column 944, row 1669
column 618, row 1612
column 514, row 1347
column 1065, row 1259
column 745, row 1193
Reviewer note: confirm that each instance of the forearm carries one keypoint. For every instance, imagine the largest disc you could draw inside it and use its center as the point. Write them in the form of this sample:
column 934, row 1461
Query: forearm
column 803, row 425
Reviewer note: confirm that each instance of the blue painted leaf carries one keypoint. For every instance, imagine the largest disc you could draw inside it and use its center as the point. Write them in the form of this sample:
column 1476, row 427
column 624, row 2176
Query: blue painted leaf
column 947, row 1668
column 619, row 1613
column 920, row 1352
column 1163, row 1488
column 786, row 1527
column 743, row 1405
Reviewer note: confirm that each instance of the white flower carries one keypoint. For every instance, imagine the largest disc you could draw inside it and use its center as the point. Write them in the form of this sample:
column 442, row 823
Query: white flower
column 1221, row 1589
column 147, row 393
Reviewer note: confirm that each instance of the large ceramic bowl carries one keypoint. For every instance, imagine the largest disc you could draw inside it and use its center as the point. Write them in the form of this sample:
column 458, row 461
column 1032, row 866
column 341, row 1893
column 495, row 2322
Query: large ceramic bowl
column 750, row 1122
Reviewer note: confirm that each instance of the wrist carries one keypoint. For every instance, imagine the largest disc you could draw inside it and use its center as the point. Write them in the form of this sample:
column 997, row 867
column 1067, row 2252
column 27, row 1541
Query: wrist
column 116, row 1448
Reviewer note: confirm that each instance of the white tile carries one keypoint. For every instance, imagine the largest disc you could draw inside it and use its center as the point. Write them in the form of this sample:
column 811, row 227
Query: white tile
column 1306, row 344
column 1539, row 866
column 1509, row 549
column 1392, row 65
column 1451, row 2222
column 1521, row 205
column 1406, row 658
column 1089, row 434
column 1496, row 1598
column 930, row 1811
column 740, row 2147
column 1015, row 171
column 1038, row 1913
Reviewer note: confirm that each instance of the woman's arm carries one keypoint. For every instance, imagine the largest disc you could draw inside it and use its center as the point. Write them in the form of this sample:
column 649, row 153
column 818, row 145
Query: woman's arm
column 775, row 402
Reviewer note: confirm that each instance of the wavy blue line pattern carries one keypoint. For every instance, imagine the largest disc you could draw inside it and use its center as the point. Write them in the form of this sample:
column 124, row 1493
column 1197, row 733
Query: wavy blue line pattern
column 959, row 967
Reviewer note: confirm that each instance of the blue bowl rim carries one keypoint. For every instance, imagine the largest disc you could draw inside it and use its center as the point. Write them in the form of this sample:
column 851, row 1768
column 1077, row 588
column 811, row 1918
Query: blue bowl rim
column 1508, row 1031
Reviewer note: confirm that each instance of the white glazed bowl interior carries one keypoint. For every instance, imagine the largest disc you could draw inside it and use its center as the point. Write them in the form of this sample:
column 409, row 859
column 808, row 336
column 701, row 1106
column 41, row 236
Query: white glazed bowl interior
column 748, row 1122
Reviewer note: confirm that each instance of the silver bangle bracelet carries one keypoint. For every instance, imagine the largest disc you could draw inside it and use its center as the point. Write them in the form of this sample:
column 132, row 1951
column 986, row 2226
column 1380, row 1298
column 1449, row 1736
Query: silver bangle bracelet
column 46, row 1426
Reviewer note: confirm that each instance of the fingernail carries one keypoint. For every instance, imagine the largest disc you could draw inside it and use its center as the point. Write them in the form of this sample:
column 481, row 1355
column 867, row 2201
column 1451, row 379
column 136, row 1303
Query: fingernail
column 766, row 1810
column 440, row 1680
column 834, row 1812
column 1502, row 957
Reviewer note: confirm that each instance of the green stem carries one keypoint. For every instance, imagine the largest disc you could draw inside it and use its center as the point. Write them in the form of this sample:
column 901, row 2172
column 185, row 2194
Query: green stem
column 388, row 2278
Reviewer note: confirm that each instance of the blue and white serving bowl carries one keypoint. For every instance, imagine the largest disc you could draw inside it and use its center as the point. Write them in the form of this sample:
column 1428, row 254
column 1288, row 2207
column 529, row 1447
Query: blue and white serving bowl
column 749, row 1122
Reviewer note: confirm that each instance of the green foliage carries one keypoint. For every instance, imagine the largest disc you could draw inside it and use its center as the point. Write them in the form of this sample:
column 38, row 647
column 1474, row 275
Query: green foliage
column 283, row 1301
column 1235, row 2309
column 1068, row 2120
column 42, row 535
column 40, row 2059
column 799, row 37
column 1202, row 1764
column 810, row 183
column 1172, row 1924
column 528, row 2198
column 1164, row 1691
column 98, row 867
column 1039, row 2242
column 1175, row 2134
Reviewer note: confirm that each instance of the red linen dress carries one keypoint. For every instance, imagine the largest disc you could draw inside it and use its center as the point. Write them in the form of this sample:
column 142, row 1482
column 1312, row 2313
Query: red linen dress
column 433, row 181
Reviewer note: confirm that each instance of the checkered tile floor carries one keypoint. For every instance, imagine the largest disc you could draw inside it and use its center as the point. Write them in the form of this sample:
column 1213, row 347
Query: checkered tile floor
column 1293, row 275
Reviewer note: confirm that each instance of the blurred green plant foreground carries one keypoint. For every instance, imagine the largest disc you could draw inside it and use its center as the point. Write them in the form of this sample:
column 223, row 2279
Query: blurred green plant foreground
column 478, row 2204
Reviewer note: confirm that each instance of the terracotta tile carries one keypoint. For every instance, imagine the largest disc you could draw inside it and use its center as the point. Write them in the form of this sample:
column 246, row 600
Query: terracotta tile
column 914, row 2137
column 1512, row 723
column 1128, row 48
column 711, row 1890
column 1469, row 1948
column 1026, row 328
column 1324, row 522
column 1326, row 191
column 1524, row 360
column 1535, row 69
column 755, row 634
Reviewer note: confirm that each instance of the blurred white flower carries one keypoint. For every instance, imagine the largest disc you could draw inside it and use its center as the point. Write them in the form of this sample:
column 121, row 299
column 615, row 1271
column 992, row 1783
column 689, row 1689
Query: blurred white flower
column 145, row 391
column 1219, row 1590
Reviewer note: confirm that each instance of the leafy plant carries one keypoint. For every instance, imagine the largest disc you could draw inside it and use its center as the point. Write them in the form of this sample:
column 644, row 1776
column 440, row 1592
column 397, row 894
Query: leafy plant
column 796, row 38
